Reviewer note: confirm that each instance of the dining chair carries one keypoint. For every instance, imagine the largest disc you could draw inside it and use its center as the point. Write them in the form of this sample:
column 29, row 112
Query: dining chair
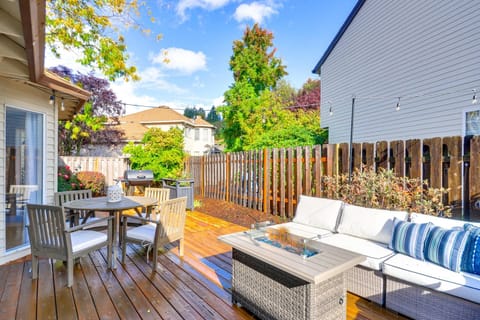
column 161, row 194
column 79, row 216
column 23, row 192
column 164, row 227
column 51, row 238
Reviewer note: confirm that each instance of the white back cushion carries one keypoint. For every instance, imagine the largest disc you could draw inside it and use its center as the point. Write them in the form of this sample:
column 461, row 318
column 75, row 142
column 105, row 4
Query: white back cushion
column 447, row 223
column 318, row 212
column 368, row 223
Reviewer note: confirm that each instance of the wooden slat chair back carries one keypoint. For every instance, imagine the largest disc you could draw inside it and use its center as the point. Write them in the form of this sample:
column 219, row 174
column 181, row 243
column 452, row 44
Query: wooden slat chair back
column 23, row 191
column 49, row 237
column 161, row 194
column 81, row 216
column 166, row 226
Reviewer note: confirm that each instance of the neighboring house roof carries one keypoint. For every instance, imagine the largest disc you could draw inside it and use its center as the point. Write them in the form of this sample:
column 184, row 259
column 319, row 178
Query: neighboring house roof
column 340, row 33
column 22, row 53
column 136, row 124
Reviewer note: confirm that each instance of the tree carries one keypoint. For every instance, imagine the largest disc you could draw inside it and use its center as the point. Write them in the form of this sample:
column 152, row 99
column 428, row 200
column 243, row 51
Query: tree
column 87, row 126
column 308, row 98
column 255, row 70
column 212, row 116
column 93, row 28
column 160, row 151
column 192, row 113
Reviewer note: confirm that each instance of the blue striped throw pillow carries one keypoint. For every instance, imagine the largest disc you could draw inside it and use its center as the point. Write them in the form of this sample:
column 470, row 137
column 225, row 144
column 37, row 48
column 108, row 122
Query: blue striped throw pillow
column 471, row 255
column 409, row 238
column 445, row 247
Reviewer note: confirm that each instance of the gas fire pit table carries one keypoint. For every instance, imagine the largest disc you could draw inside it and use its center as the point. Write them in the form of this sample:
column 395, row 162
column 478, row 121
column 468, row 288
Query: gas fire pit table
column 275, row 283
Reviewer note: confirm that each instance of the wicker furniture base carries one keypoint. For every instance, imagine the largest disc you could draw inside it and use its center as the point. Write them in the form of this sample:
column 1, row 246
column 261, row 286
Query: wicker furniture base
column 366, row 283
column 271, row 293
column 423, row 303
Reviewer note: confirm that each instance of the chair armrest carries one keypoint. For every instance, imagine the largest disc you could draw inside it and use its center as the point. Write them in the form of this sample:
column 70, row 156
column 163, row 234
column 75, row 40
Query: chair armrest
column 81, row 226
column 124, row 218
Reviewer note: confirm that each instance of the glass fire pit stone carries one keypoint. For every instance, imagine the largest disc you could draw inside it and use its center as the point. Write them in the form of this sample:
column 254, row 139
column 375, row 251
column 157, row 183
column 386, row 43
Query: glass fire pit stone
column 284, row 240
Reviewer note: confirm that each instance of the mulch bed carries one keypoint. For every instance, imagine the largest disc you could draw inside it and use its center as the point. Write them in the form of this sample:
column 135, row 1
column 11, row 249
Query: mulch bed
column 233, row 213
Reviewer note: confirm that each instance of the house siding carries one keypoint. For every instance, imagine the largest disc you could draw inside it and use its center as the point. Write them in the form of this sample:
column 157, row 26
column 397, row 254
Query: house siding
column 22, row 96
column 425, row 52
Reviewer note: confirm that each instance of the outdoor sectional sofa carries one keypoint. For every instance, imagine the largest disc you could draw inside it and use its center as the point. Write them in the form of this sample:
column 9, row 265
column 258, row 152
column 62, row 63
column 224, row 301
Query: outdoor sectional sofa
column 399, row 271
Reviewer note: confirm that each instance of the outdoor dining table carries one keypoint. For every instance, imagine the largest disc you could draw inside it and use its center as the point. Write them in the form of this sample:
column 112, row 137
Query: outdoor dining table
column 113, row 208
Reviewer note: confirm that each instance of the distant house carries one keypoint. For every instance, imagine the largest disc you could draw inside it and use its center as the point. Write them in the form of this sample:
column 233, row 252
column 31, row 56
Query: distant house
column 198, row 133
column 422, row 55
column 32, row 101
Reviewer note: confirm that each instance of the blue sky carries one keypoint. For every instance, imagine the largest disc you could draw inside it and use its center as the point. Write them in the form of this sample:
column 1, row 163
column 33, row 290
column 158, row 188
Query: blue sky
column 197, row 40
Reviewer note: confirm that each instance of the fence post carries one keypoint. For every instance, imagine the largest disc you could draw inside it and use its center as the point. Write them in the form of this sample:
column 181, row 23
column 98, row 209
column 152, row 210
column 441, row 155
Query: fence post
column 265, row 181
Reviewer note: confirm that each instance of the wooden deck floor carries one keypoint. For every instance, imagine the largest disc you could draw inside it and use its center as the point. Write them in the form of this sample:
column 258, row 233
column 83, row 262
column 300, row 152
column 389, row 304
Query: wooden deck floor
column 196, row 287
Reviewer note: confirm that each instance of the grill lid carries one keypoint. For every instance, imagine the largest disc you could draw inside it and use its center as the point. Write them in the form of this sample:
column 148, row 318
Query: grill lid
column 138, row 177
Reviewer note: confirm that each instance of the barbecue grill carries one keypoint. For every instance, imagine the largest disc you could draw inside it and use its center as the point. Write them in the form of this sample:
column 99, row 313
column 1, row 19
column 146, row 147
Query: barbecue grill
column 137, row 178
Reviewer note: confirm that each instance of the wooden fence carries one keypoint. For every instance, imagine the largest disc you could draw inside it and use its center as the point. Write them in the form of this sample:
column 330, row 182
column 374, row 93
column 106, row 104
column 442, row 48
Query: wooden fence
column 271, row 180
column 112, row 168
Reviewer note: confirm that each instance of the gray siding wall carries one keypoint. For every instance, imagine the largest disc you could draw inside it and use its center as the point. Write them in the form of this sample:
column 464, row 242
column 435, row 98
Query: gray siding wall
column 426, row 52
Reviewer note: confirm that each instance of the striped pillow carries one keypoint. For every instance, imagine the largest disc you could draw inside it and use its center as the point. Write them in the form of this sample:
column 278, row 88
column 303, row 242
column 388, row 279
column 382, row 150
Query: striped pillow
column 445, row 247
column 409, row 238
column 471, row 255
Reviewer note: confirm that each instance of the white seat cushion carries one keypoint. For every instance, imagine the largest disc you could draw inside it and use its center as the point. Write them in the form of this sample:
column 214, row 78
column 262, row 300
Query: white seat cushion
column 144, row 232
column 302, row 230
column 375, row 252
column 84, row 239
column 368, row 223
column 435, row 277
column 318, row 212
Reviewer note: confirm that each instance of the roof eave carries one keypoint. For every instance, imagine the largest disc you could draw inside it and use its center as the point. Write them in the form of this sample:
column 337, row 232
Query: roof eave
column 340, row 33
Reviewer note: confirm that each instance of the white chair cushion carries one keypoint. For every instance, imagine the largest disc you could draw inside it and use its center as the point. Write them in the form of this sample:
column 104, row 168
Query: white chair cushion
column 302, row 230
column 368, row 223
column 374, row 252
column 144, row 232
column 318, row 212
column 84, row 239
column 435, row 277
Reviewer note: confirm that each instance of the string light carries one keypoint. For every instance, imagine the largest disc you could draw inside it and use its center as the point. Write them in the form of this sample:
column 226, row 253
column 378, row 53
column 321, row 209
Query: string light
column 62, row 106
column 398, row 104
column 474, row 98
column 330, row 111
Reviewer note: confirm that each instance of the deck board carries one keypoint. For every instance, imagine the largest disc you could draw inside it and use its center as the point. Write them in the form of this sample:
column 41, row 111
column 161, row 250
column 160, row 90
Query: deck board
column 196, row 286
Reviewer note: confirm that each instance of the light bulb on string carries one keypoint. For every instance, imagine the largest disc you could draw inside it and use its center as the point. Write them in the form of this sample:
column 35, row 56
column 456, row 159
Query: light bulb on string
column 474, row 98
column 330, row 111
column 398, row 104
column 62, row 106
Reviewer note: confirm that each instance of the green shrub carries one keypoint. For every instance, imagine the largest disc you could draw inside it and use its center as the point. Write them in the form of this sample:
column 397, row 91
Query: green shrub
column 383, row 189
column 93, row 180
column 67, row 180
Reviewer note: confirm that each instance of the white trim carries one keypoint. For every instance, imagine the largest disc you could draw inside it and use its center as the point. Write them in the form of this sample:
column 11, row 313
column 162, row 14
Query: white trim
column 14, row 254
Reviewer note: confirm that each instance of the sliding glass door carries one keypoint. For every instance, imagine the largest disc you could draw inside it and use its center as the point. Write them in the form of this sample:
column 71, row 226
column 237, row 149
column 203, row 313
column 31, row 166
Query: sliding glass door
column 23, row 170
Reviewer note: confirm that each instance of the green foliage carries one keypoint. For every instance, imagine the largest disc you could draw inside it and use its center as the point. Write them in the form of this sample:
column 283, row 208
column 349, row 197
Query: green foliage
column 73, row 132
column 160, row 151
column 91, row 28
column 255, row 70
column 193, row 112
column 383, row 189
column 92, row 180
column 67, row 180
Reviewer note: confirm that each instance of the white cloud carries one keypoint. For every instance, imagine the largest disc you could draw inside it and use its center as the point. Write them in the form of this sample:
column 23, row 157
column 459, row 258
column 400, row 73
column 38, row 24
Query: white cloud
column 184, row 5
column 220, row 101
column 255, row 11
column 182, row 60
column 68, row 59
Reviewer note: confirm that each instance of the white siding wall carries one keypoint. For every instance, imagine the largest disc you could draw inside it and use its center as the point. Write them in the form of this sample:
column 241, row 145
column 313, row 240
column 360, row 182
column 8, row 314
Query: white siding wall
column 426, row 52
column 19, row 95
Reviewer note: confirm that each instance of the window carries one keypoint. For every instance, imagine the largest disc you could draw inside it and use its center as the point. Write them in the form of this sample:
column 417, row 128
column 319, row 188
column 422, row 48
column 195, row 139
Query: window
column 197, row 134
column 472, row 122
column 24, row 170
